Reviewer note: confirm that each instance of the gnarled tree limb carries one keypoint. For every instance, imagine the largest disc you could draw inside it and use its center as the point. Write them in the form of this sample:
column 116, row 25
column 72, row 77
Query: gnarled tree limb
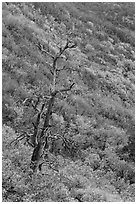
column 43, row 137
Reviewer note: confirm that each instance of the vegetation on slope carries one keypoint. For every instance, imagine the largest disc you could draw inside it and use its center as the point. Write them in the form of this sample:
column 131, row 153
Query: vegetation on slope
column 91, row 134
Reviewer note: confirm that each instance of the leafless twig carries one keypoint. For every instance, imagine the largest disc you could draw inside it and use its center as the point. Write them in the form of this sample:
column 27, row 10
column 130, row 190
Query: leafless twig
column 41, row 48
column 19, row 138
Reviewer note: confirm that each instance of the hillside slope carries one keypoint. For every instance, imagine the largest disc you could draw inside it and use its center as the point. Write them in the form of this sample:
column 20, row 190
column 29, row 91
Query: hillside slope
column 97, row 115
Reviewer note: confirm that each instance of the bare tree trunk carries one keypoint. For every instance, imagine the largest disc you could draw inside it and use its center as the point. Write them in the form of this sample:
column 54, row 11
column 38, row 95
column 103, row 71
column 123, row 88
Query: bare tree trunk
column 34, row 137
column 42, row 139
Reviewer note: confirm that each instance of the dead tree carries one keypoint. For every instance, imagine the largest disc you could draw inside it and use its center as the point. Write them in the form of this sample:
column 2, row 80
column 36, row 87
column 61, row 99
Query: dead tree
column 39, row 138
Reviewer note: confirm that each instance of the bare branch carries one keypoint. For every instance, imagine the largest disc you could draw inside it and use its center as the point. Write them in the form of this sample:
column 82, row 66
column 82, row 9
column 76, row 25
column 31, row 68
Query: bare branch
column 68, row 44
column 27, row 101
column 37, row 102
column 38, row 117
column 34, row 107
column 38, row 145
column 19, row 138
column 41, row 48
column 67, row 89
column 34, row 125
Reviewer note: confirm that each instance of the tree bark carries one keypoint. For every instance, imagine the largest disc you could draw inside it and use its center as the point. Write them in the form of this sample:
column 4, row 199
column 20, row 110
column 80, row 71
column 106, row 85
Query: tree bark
column 38, row 150
column 42, row 139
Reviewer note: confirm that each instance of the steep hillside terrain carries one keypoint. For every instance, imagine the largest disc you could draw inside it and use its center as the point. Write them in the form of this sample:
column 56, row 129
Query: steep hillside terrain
column 81, row 55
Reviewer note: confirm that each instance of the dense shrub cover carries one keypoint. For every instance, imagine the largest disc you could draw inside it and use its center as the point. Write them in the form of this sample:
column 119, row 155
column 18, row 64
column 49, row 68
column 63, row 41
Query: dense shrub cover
column 91, row 132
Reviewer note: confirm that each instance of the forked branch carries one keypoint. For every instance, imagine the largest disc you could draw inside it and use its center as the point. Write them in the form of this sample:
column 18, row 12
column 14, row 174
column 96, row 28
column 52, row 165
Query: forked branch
column 38, row 148
column 41, row 48
column 19, row 138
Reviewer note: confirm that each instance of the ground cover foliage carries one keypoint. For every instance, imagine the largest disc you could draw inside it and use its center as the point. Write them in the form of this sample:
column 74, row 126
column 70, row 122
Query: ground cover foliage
column 83, row 54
